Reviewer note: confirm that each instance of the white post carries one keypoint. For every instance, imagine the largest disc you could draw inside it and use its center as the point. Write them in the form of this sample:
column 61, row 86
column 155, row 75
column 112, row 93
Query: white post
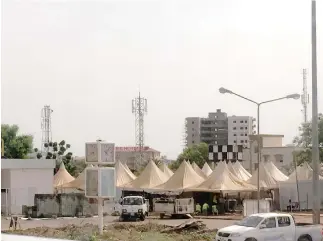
column 100, row 200
column 100, row 213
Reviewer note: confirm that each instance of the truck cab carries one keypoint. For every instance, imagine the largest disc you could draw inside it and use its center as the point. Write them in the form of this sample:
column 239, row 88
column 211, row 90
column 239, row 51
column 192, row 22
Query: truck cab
column 270, row 226
column 133, row 207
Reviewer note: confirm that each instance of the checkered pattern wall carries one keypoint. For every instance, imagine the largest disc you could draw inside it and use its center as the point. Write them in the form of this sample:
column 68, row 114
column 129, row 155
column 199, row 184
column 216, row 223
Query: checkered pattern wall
column 225, row 152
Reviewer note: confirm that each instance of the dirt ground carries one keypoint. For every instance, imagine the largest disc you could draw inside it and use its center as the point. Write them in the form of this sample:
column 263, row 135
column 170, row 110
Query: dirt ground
column 85, row 229
column 120, row 232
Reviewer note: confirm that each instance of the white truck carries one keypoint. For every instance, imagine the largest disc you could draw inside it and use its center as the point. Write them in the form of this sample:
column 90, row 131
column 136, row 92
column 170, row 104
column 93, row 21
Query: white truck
column 172, row 206
column 270, row 227
column 133, row 207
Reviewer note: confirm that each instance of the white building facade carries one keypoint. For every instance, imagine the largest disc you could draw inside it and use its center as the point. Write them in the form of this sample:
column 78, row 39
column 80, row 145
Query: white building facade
column 21, row 179
column 239, row 129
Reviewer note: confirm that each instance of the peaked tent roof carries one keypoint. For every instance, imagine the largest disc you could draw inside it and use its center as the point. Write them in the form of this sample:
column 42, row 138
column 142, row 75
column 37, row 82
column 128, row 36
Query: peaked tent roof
column 222, row 179
column 184, row 177
column 150, row 177
column 123, row 176
column 62, row 176
column 275, row 172
column 304, row 172
column 165, row 169
column 130, row 172
column 238, row 170
column 266, row 179
column 198, row 170
column 78, row 182
column 206, row 169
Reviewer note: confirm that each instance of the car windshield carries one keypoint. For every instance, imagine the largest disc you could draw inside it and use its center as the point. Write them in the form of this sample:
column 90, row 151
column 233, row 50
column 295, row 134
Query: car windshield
column 251, row 221
column 132, row 201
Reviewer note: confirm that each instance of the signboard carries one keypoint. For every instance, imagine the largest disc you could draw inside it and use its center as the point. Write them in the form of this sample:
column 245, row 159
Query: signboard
column 131, row 148
column 100, row 182
column 225, row 152
column 100, row 153
column 92, row 182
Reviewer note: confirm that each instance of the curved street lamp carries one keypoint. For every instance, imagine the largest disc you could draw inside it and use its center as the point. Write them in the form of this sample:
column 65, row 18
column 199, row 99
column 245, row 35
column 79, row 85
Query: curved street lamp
column 291, row 96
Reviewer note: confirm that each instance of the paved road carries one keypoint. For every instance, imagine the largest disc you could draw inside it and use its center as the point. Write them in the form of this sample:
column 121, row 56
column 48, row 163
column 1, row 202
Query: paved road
column 108, row 220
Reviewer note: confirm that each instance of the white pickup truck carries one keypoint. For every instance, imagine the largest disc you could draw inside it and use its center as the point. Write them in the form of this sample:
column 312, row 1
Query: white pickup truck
column 270, row 227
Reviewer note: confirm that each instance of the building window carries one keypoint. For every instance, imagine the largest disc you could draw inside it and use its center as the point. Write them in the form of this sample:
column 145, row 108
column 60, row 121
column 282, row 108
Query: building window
column 234, row 134
column 241, row 134
column 234, row 141
column 192, row 135
column 241, row 141
column 246, row 134
column 279, row 158
column 234, row 121
column 193, row 142
column 256, row 149
column 246, row 128
column 246, row 122
column 241, row 121
column 256, row 165
column 241, row 128
column 193, row 129
column 192, row 122
column 234, row 128
column 266, row 158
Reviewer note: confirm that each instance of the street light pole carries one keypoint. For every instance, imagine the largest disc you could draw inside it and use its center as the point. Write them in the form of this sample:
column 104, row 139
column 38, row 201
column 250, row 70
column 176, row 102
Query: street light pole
column 315, row 137
column 292, row 96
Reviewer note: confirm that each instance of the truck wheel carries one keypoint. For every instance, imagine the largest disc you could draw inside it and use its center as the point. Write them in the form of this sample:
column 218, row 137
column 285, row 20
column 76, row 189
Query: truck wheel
column 251, row 239
column 305, row 238
column 142, row 217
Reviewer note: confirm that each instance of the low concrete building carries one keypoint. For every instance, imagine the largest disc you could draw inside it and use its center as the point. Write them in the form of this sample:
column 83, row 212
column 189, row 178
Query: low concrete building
column 21, row 179
column 272, row 150
column 128, row 154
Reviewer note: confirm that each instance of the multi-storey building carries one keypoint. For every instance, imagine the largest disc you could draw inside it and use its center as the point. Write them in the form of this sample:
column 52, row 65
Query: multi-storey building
column 239, row 129
column 211, row 130
column 219, row 129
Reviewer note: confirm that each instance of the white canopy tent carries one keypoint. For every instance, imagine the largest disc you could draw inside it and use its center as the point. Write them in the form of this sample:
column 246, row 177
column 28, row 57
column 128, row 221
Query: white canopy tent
column 222, row 179
column 304, row 172
column 184, row 177
column 275, row 172
column 266, row 180
column 206, row 169
column 150, row 177
column 238, row 170
column 128, row 169
column 198, row 170
column 165, row 169
column 62, row 176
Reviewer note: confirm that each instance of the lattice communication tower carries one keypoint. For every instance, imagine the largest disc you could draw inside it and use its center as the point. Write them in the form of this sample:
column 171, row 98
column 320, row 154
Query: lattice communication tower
column 139, row 108
column 46, row 126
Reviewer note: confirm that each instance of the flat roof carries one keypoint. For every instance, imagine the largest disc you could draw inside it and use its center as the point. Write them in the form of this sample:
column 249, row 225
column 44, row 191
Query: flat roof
column 28, row 163
column 267, row 135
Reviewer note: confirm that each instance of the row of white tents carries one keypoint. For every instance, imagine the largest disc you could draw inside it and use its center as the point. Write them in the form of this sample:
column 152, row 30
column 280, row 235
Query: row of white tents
column 189, row 177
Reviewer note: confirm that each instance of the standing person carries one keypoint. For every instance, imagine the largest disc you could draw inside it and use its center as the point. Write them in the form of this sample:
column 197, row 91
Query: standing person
column 205, row 208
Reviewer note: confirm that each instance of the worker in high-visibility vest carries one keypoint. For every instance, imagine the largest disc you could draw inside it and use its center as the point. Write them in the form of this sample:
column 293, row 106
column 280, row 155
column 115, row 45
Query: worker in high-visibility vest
column 198, row 208
column 205, row 208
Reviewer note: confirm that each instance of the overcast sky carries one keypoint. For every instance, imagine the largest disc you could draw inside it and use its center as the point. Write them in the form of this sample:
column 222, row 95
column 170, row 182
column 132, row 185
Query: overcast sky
column 87, row 59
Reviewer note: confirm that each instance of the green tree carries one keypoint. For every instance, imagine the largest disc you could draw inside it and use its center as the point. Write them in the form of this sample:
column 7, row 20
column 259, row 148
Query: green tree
column 304, row 140
column 15, row 146
column 197, row 153
column 59, row 152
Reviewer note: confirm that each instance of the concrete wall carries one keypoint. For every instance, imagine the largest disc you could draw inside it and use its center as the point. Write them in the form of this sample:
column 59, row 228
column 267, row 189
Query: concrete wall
column 239, row 129
column 64, row 205
column 25, row 183
column 272, row 141
column 192, row 127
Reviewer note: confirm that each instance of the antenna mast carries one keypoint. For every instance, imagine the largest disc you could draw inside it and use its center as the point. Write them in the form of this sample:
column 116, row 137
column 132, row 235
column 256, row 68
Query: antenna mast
column 305, row 95
column 46, row 126
column 139, row 108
